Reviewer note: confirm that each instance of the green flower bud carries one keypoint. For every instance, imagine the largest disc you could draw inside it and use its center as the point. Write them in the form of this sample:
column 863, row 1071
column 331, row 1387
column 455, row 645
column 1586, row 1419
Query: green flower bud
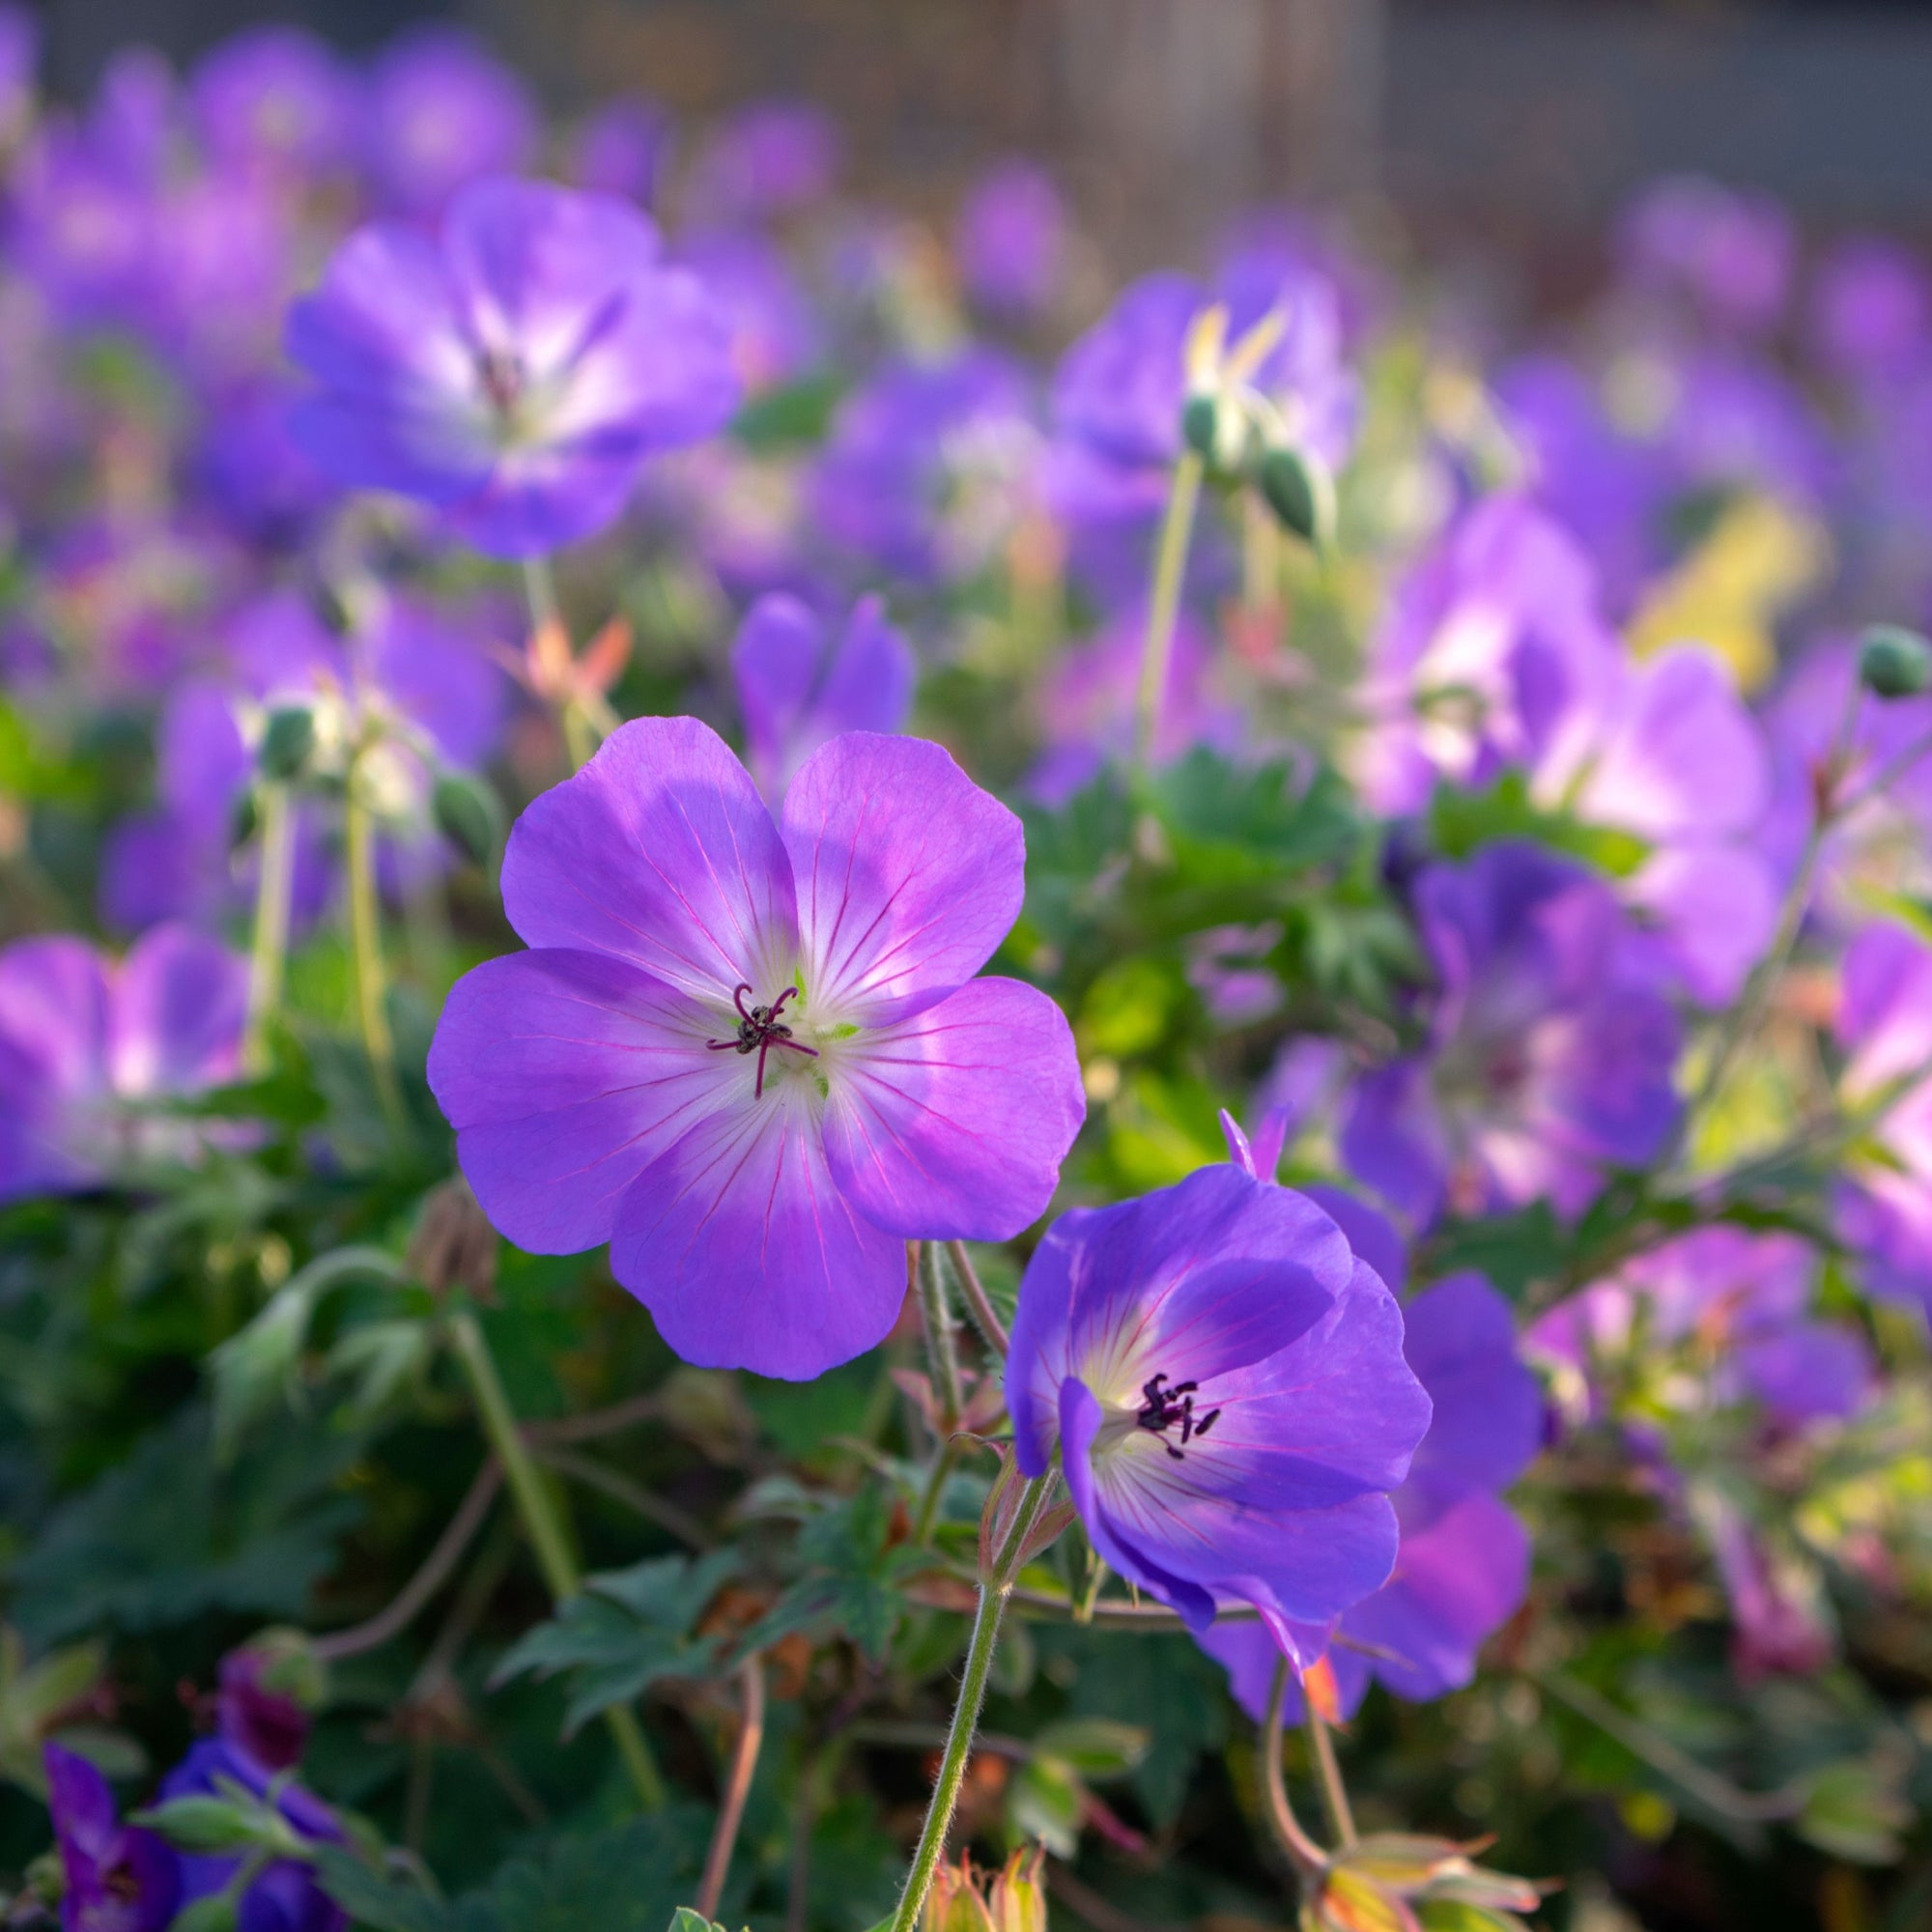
column 245, row 821
column 469, row 815
column 1297, row 489
column 200, row 1826
column 287, row 743
column 1894, row 662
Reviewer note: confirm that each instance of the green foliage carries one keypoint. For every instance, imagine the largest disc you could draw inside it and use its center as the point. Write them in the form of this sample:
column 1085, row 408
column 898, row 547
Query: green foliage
column 625, row 1631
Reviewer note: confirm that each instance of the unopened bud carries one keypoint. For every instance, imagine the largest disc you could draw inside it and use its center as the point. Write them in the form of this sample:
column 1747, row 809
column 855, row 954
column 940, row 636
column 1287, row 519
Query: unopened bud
column 1296, row 487
column 244, row 820
column 287, row 743
column 469, row 815
column 453, row 1244
column 1894, row 662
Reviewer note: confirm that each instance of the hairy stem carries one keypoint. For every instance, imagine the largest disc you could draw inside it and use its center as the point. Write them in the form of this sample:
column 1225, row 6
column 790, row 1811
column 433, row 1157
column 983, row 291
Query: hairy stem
column 994, row 1591
column 1306, row 1856
column 544, row 1527
column 1328, row 1771
column 942, row 1353
column 985, row 1318
column 365, row 942
column 1170, row 569
column 737, row 1786
column 269, row 953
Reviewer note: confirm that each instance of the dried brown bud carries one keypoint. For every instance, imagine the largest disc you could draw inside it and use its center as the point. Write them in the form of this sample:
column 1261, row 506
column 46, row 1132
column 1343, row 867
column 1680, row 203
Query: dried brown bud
column 453, row 1245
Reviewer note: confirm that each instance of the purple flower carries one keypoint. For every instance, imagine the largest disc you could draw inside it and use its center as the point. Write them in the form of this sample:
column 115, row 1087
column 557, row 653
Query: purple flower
column 443, row 112
column 752, row 1055
column 1225, row 1385
column 800, row 684
column 1010, row 240
column 1871, row 310
column 284, row 1897
column 277, row 98
column 776, row 331
column 120, row 1878
column 85, row 1044
column 1730, row 254
column 923, row 471
column 1885, row 1025
column 1743, row 1300
column 770, row 158
column 255, row 1714
column 1780, row 1623
column 1463, row 1560
column 1120, row 390
column 515, row 370
column 622, row 149
column 1551, row 1052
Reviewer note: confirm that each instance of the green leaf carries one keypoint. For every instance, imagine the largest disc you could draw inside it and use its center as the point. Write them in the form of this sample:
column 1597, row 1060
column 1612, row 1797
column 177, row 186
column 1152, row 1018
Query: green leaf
column 624, row 1632
column 1096, row 1747
column 1230, row 822
column 685, row 1919
column 1046, row 1801
column 169, row 1535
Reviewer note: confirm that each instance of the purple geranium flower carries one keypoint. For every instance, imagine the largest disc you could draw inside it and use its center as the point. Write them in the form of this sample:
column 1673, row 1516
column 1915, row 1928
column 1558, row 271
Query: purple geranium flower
column 752, row 1055
column 284, row 1897
column 768, row 158
column 1463, row 1560
column 926, row 469
column 1225, row 1383
column 1871, row 310
column 1550, row 1051
column 277, row 98
column 1010, row 240
column 120, row 1878
column 1730, row 254
column 622, row 149
column 1885, row 1024
column 801, row 684
column 1744, row 1300
column 443, row 112
column 86, row 1043
column 515, row 370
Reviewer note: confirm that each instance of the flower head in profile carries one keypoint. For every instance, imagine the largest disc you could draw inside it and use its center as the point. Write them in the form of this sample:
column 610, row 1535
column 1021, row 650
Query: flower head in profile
column 119, row 1878
column 1463, row 1560
column 1225, row 1385
column 88, row 1045
column 750, row 1053
column 801, row 681
column 1885, row 1024
column 515, row 369
column 1550, row 1054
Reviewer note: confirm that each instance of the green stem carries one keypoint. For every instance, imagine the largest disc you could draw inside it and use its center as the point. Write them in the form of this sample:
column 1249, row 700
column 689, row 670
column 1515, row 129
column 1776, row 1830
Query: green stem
column 942, row 1353
column 977, row 1303
column 366, row 941
column 1306, row 1856
column 994, row 1591
column 1328, row 1773
column 942, row 1467
column 544, row 1527
column 540, row 591
column 269, row 953
column 1170, row 569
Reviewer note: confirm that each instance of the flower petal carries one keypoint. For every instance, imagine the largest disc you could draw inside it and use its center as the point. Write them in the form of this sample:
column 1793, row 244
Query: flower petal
column 177, row 1012
column 741, row 1245
column 565, row 1075
column 952, row 1124
column 908, row 875
column 660, row 852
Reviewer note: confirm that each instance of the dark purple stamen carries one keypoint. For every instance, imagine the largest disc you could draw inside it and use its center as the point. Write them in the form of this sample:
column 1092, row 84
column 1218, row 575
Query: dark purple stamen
column 1165, row 1407
column 759, row 1030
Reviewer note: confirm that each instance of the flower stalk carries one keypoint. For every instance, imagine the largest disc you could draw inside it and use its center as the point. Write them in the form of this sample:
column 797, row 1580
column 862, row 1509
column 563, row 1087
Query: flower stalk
column 269, row 951
column 995, row 1587
column 1304, row 1853
column 365, row 942
column 1170, row 571
column 544, row 1526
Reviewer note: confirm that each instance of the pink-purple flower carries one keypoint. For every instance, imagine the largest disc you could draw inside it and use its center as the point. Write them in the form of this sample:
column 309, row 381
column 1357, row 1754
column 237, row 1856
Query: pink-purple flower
column 88, row 1047
column 1225, row 1386
column 750, row 1053
column 514, row 370
column 1550, row 1053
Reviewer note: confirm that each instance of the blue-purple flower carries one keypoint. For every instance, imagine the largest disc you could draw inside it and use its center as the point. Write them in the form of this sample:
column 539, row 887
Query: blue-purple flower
column 752, row 1054
column 283, row 1896
column 1551, row 1052
column 1225, row 1386
column 89, row 1046
column 277, row 98
column 1010, row 240
column 443, row 112
column 516, row 369
column 800, row 682
column 119, row 1878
